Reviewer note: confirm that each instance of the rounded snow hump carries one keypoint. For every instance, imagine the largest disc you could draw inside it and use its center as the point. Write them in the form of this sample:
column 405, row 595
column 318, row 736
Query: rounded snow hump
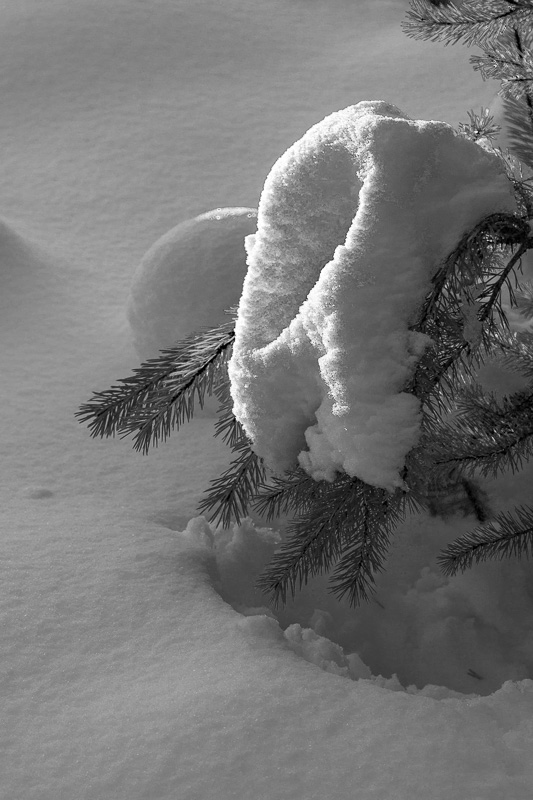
column 188, row 278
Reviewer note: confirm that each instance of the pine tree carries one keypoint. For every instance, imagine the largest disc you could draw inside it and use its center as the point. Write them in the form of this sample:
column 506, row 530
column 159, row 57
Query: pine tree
column 345, row 526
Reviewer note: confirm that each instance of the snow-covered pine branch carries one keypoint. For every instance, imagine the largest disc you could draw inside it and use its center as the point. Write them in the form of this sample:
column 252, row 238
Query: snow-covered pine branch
column 354, row 222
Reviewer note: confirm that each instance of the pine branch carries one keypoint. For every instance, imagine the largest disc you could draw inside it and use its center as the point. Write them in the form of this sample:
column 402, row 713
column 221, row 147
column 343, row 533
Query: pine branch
column 485, row 436
column 523, row 189
column 161, row 394
column 470, row 263
column 313, row 539
column 345, row 522
column 516, row 353
column 518, row 100
column 524, row 300
column 505, row 536
column 293, row 493
column 501, row 28
column 504, row 63
column 480, row 126
column 465, row 295
column 475, row 22
column 344, row 517
column 493, row 288
column 229, row 496
column 109, row 410
column 441, row 366
column 365, row 553
column 227, row 426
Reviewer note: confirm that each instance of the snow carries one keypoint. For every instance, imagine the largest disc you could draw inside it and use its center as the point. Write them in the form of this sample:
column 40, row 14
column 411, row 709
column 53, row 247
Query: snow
column 185, row 257
column 137, row 660
column 353, row 222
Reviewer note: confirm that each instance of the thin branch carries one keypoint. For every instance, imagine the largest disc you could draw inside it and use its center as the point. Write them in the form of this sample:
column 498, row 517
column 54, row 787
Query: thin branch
column 229, row 496
column 161, row 393
column 505, row 536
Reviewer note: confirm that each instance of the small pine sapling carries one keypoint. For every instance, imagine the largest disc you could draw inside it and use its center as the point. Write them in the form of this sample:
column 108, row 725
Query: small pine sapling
column 344, row 526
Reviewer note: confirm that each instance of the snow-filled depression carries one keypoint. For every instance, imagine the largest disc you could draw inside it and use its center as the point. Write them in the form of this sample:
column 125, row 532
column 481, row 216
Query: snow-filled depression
column 138, row 658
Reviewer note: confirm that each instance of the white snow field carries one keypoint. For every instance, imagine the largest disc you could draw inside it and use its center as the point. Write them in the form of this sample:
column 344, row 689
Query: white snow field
column 137, row 661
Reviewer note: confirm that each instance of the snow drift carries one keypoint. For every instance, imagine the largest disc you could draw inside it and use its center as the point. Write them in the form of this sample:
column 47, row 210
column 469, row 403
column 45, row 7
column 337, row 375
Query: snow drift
column 353, row 222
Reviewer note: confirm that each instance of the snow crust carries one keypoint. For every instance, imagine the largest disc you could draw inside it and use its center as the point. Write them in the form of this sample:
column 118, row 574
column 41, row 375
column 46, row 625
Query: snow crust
column 353, row 222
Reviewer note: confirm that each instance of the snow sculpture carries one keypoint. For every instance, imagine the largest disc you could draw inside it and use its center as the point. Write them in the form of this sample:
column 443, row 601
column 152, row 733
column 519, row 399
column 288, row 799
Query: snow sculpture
column 353, row 222
column 188, row 278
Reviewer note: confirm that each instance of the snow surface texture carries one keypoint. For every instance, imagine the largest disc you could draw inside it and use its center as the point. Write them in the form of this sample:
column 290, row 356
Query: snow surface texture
column 189, row 278
column 353, row 222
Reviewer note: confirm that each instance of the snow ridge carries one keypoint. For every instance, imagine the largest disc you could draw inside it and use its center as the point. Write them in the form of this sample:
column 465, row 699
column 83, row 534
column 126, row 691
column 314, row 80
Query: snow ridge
column 353, row 222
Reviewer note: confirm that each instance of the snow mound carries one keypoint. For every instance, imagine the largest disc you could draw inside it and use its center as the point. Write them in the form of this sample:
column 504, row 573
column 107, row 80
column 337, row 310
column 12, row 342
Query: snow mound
column 353, row 222
column 21, row 264
column 188, row 278
column 33, row 289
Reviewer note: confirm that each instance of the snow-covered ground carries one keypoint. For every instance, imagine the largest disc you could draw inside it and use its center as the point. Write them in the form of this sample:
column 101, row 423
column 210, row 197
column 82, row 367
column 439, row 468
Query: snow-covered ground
column 137, row 659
